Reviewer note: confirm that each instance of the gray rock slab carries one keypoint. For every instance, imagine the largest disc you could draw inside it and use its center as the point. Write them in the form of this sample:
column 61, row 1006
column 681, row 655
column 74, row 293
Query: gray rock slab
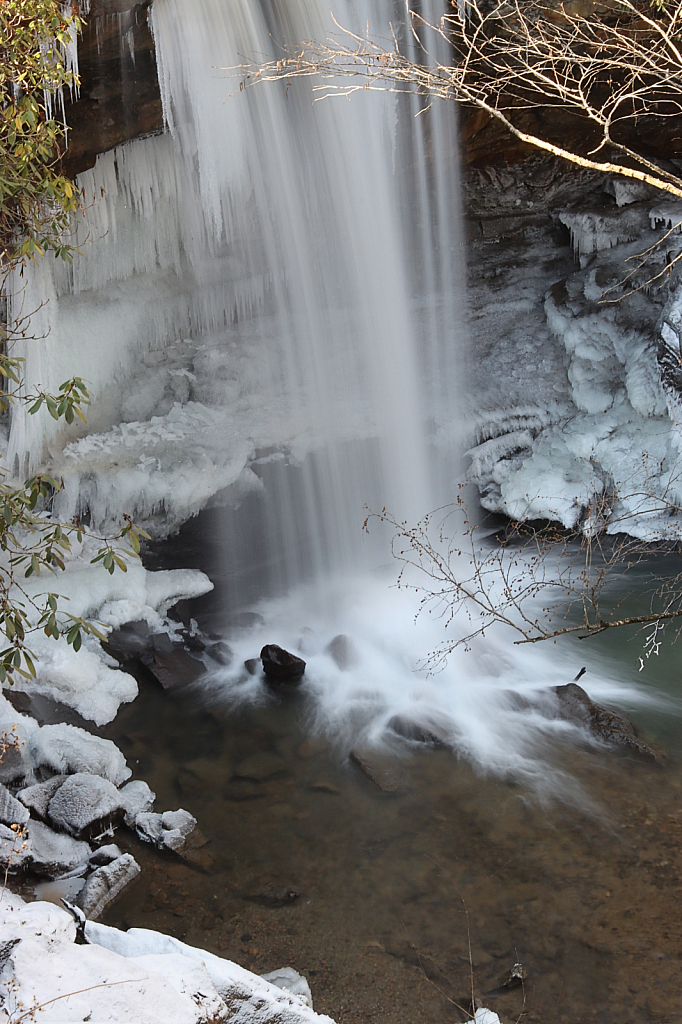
column 37, row 798
column 105, row 884
column 384, row 771
column 11, row 811
column 54, row 854
column 85, row 803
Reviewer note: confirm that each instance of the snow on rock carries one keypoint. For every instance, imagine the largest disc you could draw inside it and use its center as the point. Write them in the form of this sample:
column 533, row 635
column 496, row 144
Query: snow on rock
column 594, row 230
column 84, row 802
column 37, row 797
column 53, row 854
column 15, row 736
column 139, row 975
column 105, row 854
column 251, row 1000
column 88, row 680
column 73, row 982
column 15, row 847
column 137, row 798
column 105, row 884
column 11, row 811
column 291, row 981
column 172, row 830
column 66, row 749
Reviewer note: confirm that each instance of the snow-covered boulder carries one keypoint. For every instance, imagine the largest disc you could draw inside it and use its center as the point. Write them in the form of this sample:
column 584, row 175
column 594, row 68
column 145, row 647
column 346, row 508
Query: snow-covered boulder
column 291, row 981
column 53, row 854
column 139, row 975
column 11, row 811
column 85, row 803
column 250, row 999
column 37, row 798
column 137, row 799
column 73, row 982
column 105, row 884
column 66, row 749
column 15, row 848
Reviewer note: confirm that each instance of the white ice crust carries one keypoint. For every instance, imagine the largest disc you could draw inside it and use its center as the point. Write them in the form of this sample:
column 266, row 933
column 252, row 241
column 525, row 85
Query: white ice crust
column 140, row 976
column 88, row 680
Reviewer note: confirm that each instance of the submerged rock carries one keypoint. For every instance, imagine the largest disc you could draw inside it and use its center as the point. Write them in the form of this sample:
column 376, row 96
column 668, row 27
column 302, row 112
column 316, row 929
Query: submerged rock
column 577, row 706
column 260, row 766
column 280, row 666
column 416, row 733
column 273, row 896
column 105, row 884
column 382, row 770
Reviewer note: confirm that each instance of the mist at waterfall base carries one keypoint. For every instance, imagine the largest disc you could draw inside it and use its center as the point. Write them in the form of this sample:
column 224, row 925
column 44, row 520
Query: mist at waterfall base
column 274, row 288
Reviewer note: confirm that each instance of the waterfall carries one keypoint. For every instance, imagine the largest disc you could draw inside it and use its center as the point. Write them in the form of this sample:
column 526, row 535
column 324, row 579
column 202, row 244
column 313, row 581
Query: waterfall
column 274, row 275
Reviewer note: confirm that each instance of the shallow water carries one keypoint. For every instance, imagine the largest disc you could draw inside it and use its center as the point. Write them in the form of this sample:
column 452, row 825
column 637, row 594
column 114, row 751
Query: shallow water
column 579, row 879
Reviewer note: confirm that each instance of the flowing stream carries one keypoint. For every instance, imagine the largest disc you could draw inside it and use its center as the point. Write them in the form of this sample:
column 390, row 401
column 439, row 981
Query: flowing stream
column 278, row 283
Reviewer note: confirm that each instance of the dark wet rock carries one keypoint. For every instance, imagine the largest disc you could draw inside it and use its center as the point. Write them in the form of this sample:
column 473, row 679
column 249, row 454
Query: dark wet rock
column 383, row 770
column 222, row 653
column 261, row 766
column 416, row 733
column 85, row 805
column 54, row 854
column 576, row 706
column 313, row 747
column 324, row 787
column 254, row 666
column 105, row 884
column 273, row 896
column 37, row 798
column 162, row 642
column 11, row 811
column 174, row 669
column 280, row 666
column 129, row 641
column 513, row 977
column 343, row 651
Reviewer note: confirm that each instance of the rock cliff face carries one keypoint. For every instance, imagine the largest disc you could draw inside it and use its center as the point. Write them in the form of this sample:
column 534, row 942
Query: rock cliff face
column 119, row 95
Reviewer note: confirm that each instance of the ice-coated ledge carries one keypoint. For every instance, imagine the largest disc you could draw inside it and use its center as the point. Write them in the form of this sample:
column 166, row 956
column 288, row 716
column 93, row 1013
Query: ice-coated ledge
column 88, row 680
column 139, row 975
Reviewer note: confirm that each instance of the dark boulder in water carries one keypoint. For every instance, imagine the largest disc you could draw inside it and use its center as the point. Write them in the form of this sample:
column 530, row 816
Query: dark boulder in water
column 280, row 666
column 577, row 706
